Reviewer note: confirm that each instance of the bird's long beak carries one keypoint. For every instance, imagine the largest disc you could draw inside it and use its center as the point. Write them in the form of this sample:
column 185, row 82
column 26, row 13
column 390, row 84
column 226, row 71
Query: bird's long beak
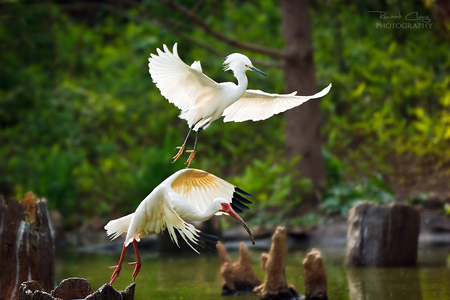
column 232, row 213
column 259, row 71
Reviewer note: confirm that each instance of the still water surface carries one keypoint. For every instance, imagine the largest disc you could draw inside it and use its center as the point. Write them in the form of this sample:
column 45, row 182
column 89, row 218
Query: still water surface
column 192, row 276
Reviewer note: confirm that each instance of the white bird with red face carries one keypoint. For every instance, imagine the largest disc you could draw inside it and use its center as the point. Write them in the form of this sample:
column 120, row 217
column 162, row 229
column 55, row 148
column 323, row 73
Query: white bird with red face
column 188, row 194
column 202, row 100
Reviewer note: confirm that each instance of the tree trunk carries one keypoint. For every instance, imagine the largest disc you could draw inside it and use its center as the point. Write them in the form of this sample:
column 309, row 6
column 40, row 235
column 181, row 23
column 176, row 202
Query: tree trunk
column 302, row 123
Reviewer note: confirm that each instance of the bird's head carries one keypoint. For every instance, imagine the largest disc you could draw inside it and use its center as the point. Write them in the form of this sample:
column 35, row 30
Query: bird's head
column 226, row 208
column 237, row 62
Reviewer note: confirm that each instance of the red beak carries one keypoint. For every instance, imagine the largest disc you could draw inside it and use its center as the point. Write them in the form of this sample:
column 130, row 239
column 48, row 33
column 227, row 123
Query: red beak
column 232, row 213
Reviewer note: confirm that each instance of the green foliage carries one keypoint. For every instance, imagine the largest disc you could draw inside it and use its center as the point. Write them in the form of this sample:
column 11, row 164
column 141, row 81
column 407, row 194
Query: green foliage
column 346, row 189
column 390, row 88
column 276, row 188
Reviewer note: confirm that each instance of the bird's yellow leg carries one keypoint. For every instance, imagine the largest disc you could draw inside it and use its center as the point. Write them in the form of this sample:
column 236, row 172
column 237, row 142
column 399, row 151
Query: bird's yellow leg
column 118, row 267
column 191, row 157
column 180, row 151
column 138, row 260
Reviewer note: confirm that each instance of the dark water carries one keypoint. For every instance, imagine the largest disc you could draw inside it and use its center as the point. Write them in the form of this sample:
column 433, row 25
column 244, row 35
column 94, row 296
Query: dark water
column 192, row 276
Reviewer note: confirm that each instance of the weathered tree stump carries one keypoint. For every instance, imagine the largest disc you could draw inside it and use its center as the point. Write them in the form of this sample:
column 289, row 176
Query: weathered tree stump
column 74, row 288
column 26, row 245
column 274, row 266
column 238, row 276
column 315, row 277
column 382, row 235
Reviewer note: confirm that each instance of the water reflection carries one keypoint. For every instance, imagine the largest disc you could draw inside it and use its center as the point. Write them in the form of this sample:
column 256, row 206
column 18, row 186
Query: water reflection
column 387, row 284
column 192, row 276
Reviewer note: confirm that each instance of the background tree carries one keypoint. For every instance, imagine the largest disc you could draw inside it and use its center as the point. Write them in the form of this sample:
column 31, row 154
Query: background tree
column 302, row 123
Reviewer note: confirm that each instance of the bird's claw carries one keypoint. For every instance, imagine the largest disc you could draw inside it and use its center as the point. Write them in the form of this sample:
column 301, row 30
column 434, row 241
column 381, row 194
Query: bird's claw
column 136, row 269
column 180, row 151
column 191, row 157
column 115, row 274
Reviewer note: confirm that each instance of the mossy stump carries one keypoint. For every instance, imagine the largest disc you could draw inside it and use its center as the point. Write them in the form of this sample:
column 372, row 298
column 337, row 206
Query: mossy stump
column 27, row 248
column 239, row 276
column 315, row 277
column 274, row 266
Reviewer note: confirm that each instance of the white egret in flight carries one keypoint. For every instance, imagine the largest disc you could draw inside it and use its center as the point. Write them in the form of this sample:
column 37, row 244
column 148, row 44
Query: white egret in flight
column 202, row 100
column 188, row 194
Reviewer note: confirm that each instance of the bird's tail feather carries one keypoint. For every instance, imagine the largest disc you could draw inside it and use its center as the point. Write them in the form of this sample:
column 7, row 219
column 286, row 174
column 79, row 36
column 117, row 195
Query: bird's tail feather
column 116, row 227
column 191, row 117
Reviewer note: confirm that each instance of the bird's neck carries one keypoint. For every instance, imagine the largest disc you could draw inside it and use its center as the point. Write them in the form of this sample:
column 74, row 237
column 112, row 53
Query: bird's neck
column 188, row 212
column 205, row 215
column 242, row 81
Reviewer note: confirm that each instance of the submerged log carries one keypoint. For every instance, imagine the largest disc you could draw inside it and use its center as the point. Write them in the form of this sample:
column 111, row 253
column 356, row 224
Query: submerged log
column 74, row 288
column 26, row 245
column 382, row 235
column 238, row 276
column 274, row 266
column 315, row 277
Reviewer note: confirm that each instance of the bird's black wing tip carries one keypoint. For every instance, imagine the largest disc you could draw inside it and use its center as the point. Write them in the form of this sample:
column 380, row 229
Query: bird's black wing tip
column 236, row 208
column 238, row 202
column 236, row 189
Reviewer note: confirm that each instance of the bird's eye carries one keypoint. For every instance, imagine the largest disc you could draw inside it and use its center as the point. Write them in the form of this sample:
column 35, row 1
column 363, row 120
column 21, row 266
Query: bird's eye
column 224, row 205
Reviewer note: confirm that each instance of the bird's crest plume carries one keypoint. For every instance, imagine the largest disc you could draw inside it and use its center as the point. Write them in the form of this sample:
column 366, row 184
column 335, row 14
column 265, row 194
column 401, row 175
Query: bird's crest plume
column 234, row 59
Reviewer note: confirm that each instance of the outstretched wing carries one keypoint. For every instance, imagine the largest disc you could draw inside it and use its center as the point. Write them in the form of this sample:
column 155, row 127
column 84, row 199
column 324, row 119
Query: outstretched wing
column 258, row 105
column 184, row 86
column 200, row 188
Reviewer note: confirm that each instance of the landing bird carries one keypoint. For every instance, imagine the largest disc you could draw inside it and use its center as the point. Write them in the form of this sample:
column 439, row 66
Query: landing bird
column 202, row 100
column 188, row 194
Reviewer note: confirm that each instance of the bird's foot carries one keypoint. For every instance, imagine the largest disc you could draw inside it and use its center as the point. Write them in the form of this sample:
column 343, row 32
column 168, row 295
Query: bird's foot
column 191, row 157
column 136, row 269
column 115, row 274
column 180, row 151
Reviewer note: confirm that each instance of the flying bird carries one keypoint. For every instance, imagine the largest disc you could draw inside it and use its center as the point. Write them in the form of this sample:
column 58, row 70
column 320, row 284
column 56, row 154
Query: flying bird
column 188, row 194
column 202, row 100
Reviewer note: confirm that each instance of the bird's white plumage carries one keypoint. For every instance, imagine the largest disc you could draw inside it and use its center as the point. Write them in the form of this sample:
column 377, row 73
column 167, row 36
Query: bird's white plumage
column 187, row 193
column 201, row 98
column 257, row 105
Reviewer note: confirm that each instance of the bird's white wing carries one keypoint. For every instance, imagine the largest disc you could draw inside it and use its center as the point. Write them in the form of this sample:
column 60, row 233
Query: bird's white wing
column 258, row 105
column 200, row 188
column 184, row 86
column 155, row 214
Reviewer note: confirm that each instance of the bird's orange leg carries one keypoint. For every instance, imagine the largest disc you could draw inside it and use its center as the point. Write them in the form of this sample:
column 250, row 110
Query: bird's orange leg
column 181, row 148
column 118, row 267
column 138, row 260
column 180, row 151
column 192, row 155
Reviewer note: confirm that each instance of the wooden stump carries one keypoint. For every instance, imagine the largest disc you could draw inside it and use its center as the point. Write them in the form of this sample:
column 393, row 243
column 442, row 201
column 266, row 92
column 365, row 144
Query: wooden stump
column 238, row 276
column 274, row 266
column 315, row 277
column 26, row 245
column 74, row 288
column 382, row 235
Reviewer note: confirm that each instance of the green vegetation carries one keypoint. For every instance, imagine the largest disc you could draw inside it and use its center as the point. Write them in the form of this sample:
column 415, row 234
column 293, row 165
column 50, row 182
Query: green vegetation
column 83, row 125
